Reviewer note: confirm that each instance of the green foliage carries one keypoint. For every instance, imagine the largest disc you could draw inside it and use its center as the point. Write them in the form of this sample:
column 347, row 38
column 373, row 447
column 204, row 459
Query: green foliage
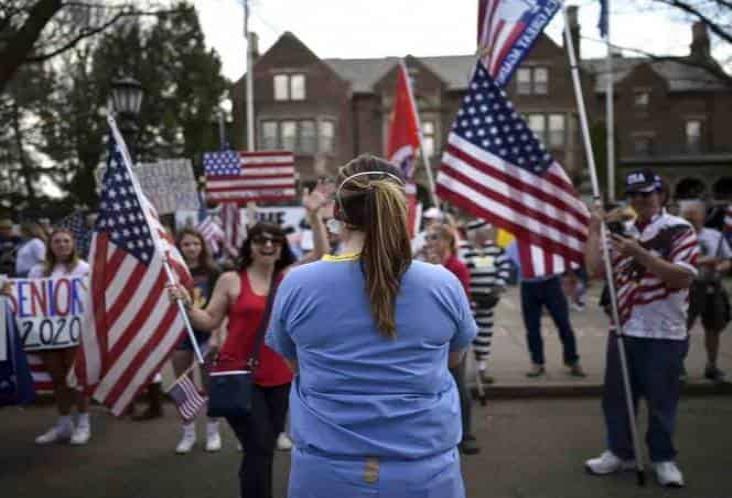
column 182, row 83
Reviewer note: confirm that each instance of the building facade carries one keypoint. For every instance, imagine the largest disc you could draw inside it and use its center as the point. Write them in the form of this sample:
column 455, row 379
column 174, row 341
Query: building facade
column 670, row 113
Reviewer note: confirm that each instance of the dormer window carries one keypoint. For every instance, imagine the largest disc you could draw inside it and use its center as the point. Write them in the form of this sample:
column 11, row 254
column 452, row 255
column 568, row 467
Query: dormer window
column 641, row 98
column 289, row 87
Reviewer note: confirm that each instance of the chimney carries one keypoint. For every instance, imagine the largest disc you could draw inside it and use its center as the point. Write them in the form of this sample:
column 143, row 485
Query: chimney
column 574, row 29
column 255, row 46
column 700, row 41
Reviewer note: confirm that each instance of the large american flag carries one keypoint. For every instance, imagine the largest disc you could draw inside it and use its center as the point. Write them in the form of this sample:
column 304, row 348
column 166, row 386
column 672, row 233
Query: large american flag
column 507, row 29
column 132, row 325
column 240, row 177
column 497, row 169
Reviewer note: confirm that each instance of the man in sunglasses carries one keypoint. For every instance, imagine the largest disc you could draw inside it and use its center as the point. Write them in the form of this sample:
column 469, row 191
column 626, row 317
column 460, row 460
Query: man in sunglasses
column 653, row 260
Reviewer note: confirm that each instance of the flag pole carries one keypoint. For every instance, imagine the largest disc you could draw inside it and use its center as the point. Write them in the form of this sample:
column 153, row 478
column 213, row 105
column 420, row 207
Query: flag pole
column 249, row 80
column 609, row 109
column 425, row 159
column 126, row 160
column 605, row 252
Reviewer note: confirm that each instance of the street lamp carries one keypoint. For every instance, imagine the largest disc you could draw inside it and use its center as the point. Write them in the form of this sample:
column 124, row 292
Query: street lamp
column 127, row 96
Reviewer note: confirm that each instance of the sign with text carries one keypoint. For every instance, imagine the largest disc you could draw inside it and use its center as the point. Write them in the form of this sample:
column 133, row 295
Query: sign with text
column 49, row 311
column 168, row 183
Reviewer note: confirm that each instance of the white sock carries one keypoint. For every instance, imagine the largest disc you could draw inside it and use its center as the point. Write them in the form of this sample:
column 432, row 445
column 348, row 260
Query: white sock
column 65, row 422
column 482, row 366
column 212, row 426
column 189, row 428
column 82, row 420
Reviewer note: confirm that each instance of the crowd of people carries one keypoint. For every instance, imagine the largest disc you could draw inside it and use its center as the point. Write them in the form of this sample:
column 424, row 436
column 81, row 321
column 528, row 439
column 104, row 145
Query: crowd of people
column 369, row 332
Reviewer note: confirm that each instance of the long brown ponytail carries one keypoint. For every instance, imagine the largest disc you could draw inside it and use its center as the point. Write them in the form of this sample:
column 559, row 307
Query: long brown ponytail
column 375, row 204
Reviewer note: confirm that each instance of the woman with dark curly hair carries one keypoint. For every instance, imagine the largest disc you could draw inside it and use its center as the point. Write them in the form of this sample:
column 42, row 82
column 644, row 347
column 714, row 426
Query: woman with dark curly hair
column 241, row 297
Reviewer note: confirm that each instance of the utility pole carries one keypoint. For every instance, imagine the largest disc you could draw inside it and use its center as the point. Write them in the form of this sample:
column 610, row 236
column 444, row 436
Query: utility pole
column 249, row 81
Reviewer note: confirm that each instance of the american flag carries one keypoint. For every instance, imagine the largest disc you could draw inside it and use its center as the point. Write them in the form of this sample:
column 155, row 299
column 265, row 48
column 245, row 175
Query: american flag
column 211, row 232
column 507, row 29
column 132, row 325
column 187, row 398
column 240, row 177
column 495, row 168
column 235, row 230
column 42, row 382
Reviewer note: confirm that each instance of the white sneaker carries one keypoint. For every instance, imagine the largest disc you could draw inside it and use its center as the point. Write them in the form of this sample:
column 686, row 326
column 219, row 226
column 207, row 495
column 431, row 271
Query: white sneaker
column 668, row 474
column 284, row 443
column 213, row 438
column 185, row 445
column 55, row 434
column 608, row 463
column 81, row 435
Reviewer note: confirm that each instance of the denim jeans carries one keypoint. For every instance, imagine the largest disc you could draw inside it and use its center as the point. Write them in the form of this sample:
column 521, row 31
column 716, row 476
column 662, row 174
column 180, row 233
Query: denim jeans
column 535, row 295
column 257, row 434
column 654, row 366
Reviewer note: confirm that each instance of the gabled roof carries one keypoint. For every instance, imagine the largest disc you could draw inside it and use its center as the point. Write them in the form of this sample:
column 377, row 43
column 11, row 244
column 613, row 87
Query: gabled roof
column 454, row 70
column 680, row 77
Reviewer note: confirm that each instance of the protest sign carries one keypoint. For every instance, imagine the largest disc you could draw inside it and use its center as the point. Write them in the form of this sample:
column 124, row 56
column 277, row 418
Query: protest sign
column 168, row 183
column 49, row 311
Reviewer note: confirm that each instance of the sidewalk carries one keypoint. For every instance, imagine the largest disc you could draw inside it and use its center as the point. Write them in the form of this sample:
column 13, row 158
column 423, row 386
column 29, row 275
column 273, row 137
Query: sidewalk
column 509, row 360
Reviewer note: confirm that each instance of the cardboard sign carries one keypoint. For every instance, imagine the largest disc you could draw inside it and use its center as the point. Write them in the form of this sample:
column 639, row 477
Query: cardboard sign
column 49, row 311
column 169, row 184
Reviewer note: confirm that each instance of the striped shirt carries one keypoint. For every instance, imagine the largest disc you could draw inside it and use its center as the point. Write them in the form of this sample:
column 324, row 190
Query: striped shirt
column 489, row 267
column 647, row 307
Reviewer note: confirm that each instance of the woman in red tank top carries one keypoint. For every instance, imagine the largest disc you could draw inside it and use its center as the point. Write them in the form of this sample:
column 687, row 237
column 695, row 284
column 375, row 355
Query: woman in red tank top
column 241, row 297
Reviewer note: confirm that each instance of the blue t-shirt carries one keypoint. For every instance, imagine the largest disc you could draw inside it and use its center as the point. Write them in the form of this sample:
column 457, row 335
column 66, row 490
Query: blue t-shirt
column 359, row 393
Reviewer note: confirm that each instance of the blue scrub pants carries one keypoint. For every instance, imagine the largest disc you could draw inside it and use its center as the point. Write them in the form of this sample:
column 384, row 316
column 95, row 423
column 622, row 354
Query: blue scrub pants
column 654, row 366
column 549, row 293
column 318, row 476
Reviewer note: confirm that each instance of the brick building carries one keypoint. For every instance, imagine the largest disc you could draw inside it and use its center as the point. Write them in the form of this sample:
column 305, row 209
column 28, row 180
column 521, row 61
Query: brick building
column 669, row 114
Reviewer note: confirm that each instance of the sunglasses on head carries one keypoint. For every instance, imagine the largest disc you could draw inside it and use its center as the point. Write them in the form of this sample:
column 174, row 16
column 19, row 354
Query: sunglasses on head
column 264, row 238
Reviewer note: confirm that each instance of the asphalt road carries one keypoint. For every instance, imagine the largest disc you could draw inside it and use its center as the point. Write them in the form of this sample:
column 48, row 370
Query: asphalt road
column 531, row 449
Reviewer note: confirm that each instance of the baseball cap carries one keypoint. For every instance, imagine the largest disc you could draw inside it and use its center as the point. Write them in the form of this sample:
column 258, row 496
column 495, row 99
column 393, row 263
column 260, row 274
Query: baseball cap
column 433, row 214
column 643, row 180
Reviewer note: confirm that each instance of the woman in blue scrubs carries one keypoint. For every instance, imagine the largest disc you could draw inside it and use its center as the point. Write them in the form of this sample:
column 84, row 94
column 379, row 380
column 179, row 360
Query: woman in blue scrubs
column 374, row 409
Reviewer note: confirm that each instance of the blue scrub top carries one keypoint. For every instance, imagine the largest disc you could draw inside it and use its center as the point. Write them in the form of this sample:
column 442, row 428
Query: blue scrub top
column 359, row 393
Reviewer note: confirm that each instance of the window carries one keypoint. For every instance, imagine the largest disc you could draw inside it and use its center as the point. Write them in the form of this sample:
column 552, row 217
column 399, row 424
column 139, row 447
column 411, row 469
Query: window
column 327, row 137
column 268, row 138
column 289, row 135
column 523, row 81
column 281, row 82
column 307, row 143
column 641, row 99
column 532, row 81
column 289, row 87
column 537, row 124
column 297, row 87
column 541, row 81
column 643, row 145
column 428, row 138
column 693, row 135
column 556, row 131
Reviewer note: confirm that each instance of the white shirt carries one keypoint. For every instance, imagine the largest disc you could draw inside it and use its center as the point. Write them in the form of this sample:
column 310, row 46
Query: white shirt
column 647, row 307
column 30, row 254
column 712, row 243
column 61, row 270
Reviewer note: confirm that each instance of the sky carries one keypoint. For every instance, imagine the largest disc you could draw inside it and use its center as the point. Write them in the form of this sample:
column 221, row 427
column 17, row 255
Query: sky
column 378, row 28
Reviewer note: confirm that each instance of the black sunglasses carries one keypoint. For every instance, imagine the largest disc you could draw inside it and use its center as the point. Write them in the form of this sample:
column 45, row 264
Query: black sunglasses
column 263, row 239
column 640, row 194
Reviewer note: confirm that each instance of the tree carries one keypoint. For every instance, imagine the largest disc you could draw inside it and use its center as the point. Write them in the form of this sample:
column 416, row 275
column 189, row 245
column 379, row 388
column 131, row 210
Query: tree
column 34, row 31
column 183, row 86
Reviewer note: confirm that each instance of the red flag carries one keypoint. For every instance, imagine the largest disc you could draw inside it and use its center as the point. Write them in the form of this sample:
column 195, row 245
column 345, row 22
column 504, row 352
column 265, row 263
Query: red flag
column 402, row 147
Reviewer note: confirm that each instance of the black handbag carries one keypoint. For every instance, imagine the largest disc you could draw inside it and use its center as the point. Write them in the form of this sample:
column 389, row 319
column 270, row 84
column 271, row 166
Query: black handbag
column 230, row 392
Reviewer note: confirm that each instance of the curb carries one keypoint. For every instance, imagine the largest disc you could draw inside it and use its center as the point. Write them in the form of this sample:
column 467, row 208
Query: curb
column 523, row 391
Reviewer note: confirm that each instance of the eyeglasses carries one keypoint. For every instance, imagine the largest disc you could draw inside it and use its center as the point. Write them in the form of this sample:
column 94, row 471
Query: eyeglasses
column 261, row 240
column 645, row 195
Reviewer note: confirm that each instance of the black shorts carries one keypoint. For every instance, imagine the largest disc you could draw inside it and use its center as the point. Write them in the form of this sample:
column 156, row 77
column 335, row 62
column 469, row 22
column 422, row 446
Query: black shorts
column 710, row 301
